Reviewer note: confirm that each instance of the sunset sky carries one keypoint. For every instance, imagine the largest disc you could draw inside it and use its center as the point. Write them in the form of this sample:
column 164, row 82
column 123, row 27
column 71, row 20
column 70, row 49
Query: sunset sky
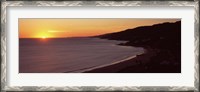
column 59, row 28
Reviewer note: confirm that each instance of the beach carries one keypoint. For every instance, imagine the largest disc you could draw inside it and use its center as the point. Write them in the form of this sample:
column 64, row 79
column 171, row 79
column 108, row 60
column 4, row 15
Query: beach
column 141, row 64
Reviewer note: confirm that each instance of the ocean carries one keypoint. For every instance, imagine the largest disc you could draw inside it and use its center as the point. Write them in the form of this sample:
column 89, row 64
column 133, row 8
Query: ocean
column 71, row 55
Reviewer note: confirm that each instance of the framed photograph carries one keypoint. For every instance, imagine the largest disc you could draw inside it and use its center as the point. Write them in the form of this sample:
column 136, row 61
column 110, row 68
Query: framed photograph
column 100, row 46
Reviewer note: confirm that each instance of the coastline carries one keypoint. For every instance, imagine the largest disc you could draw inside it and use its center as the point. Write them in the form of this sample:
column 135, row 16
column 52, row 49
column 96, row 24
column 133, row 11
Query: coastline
column 162, row 43
column 118, row 66
column 143, row 63
column 110, row 64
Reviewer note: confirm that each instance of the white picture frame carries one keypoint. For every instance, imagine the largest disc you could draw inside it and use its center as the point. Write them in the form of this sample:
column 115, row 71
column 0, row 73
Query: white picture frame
column 5, row 74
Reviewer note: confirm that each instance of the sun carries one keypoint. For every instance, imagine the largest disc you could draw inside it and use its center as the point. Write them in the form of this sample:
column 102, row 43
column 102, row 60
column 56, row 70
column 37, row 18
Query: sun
column 44, row 37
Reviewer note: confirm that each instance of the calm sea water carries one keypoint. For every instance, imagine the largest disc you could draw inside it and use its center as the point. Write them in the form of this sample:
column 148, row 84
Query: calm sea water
column 70, row 54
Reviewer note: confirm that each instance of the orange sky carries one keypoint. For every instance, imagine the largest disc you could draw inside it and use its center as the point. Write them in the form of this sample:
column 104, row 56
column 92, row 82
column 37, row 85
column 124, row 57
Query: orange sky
column 58, row 28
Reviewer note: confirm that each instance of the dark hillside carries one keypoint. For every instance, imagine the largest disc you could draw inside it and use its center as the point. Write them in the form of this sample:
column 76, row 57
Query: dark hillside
column 163, row 36
column 163, row 48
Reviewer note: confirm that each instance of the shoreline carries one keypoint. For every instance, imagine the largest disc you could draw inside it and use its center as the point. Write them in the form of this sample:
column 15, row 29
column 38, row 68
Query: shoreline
column 107, row 65
column 142, row 63
column 162, row 43
column 116, row 67
column 101, row 66
column 83, row 70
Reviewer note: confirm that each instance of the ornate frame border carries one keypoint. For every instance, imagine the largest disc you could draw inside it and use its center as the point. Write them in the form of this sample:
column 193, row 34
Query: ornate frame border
column 4, row 87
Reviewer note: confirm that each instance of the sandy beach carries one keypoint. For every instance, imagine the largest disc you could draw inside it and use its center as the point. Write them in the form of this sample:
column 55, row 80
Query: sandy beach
column 143, row 63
